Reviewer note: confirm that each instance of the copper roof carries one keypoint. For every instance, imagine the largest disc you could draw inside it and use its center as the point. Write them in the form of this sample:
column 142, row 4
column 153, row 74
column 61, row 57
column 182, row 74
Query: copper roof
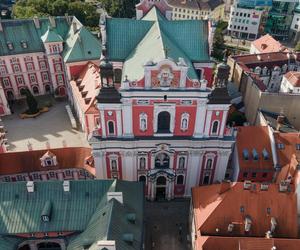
column 267, row 44
column 29, row 161
column 213, row 212
column 293, row 77
column 256, row 138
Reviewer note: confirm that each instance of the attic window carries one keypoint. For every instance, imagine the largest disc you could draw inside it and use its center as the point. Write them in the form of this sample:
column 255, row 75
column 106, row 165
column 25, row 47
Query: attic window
column 280, row 146
column 10, row 46
column 265, row 154
column 297, row 146
column 255, row 154
column 24, row 44
column 89, row 52
column 245, row 154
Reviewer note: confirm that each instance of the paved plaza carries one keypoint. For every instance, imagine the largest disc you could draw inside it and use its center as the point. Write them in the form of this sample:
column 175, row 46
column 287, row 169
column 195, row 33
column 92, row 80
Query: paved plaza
column 52, row 128
column 167, row 225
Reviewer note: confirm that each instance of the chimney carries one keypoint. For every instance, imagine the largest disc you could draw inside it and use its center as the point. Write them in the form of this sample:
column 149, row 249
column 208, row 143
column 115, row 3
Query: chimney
column 66, row 186
column 106, row 244
column 36, row 22
column 30, row 186
column 247, row 185
column 74, row 27
column 115, row 195
column 52, row 21
column 224, row 186
column 283, row 186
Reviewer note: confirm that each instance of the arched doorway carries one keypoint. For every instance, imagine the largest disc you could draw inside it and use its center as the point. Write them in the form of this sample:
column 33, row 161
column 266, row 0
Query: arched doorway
column 10, row 95
column 162, row 160
column 47, row 89
column 161, row 183
column 48, row 246
column 35, row 90
column 62, row 91
column 163, row 122
column 25, row 247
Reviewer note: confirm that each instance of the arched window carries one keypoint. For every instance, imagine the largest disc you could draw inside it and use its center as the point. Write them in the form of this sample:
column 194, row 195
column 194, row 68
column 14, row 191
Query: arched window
column 215, row 127
column 10, row 95
column 181, row 162
column 142, row 164
column 47, row 89
column 161, row 180
column 118, row 75
column 208, row 164
column 35, row 90
column 142, row 178
column 114, row 165
column 163, row 122
column 184, row 121
column 143, row 122
column 22, row 91
column 180, row 180
column 111, row 128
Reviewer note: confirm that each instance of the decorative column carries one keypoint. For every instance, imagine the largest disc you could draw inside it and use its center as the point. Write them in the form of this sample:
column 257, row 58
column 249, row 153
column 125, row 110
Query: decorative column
column 207, row 123
column 100, row 164
column 127, row 166
column 200, row 118
column 221, row 165
column 102, row 120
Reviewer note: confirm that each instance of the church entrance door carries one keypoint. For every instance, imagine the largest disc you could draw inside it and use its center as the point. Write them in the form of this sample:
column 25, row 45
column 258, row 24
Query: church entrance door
column 161, row 183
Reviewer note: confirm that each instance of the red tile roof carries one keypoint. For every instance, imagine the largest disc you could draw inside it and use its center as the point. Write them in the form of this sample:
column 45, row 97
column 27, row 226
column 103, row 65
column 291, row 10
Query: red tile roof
column 29, row 161
column 250, row 138
column 267, row 44
column 86, row 87
column 293, row 77
column 213, row 212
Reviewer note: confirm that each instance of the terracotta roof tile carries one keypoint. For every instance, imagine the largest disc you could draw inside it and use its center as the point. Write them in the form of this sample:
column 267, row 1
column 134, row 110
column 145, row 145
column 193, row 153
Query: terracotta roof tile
column 267, row 44
column 213, row 211
column 293, row 77
column 29, row 161
column 251, row 138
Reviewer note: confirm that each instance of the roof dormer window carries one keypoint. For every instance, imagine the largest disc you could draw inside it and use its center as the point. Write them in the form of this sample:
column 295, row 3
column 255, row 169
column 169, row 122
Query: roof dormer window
column 245, row 154
column 297, row 146
column 24, row 44
column 48, row 159
column 10, row 45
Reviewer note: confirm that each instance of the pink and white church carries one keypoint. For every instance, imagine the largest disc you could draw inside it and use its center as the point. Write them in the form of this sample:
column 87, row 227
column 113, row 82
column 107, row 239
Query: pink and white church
column 165, row 123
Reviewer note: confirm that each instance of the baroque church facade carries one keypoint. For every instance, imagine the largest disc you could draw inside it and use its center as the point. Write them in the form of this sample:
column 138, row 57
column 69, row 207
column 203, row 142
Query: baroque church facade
column 165, row 124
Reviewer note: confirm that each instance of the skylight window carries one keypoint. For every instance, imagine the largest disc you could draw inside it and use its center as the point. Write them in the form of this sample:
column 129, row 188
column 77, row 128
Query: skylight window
column 246, row 154
column 255, row 154
column 10, row 45
column 24, row 44
column 265, row 154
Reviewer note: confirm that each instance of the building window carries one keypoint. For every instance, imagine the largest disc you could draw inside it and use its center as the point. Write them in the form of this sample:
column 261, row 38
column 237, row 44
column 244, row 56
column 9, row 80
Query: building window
column 264, row 175
column 142, row 163
column 114, row 165
column 297, row 146
column 117, row 75
column 43, row 65
column 10, row 46
column 45, row 76
column 24, row 44
column 245, row 174
column 184, row 121
column 52, row 174
column 180, row 180
column 30, row 66
column 32, row 78
column 20, row 80
column 181, row 162
column 16, row 68
column 208, row 164
column 143, row 122
column 215, row 127
column 47, row 89
column 3, row 70
column 48, row 162
column 35, row 90
column 280, row 146
column 68, row 173
column 6, row 82
column 163, row 122
column 60, row 78
column 254, row 175
column 36, row 176
column 58, row 67
column 111, row 128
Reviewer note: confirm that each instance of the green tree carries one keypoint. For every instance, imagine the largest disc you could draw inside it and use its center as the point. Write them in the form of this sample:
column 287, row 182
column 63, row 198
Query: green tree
column 297, row 48
column 31, row 102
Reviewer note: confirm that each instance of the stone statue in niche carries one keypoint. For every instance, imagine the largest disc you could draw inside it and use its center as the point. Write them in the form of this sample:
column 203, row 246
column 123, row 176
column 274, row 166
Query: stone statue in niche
column 165, row 77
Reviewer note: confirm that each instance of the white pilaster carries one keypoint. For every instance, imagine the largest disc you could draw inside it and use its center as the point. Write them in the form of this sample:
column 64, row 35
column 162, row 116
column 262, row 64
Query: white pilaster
column 221, row 165
column 223, row 124
column 207, row 123
column 128, row 166
column 200, row 118
column 192, row 170
column 103, row 125
column 119, row 122
column 127, row 117
column 100, row 164
column 183, row 75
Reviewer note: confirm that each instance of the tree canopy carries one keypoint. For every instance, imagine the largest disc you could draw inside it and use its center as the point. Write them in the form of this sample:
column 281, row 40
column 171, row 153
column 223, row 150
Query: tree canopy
column 84, row 11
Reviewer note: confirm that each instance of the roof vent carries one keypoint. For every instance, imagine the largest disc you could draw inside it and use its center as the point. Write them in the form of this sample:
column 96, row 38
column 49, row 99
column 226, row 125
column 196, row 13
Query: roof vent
column 247, row 185
column 283, row 186
column 107, row 244
column 115, row 195
column 46, row 213
column 248, row 223
column 264, row 187
column 131, row 217
column 128, row 238
column 66, row 186
column 30, row 186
